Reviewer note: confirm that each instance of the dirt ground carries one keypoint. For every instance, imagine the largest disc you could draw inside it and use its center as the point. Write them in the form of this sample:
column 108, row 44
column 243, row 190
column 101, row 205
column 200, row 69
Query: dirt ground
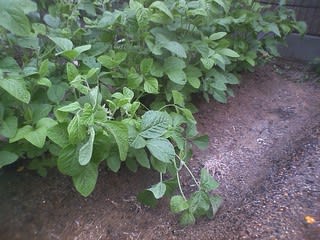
column 264, row 150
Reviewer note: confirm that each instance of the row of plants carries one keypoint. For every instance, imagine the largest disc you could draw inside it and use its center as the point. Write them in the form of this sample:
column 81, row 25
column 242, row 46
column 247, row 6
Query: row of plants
column 96, row 83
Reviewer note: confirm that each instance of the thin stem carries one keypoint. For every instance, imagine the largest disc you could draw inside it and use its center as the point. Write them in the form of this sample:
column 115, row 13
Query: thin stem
column 180, row 188
column 188, row 169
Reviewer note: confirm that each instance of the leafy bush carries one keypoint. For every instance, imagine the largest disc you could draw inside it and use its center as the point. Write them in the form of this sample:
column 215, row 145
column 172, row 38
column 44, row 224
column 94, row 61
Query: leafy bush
column 84, row 83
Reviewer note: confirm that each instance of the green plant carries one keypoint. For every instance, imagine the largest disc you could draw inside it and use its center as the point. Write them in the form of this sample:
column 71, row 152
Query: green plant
column 82, row 83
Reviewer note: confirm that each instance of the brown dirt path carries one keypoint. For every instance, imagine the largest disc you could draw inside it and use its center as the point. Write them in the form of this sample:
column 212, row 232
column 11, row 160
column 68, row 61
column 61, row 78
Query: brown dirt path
column 264, row 150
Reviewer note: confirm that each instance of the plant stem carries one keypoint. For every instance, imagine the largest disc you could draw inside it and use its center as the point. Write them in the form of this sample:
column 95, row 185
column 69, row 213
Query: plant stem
column 193, row 177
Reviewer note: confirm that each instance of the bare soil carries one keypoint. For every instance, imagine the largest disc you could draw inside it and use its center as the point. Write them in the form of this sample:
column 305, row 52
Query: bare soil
column 264, row 150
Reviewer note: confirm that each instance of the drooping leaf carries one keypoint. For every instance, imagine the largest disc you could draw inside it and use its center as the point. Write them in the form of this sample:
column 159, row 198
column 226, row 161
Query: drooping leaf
column 178, row 204
column 9, row 127
column 142, row 158
column 187, row 218
column 114, row 162
column 176, row 48
column 63, row 43
column 85, row 152
column 72, row 107
column 16, row 88
column 162, row 149
column 86, row 180
column 215, row 202
column 158, row 190
column 207, row 182
column 162, row 7
column 229, row 53
column 173, row 67
column 151, row 85
column 58, row 134
column 154, row 124
column 146, row 197
column 7, row 158
column 217, row 36
column 120, row 133
column 201, row 142
column 199, row 203
column 67, row 162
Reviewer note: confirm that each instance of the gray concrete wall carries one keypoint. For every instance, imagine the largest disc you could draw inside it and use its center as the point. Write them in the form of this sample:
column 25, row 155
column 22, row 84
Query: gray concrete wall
column 301, row 48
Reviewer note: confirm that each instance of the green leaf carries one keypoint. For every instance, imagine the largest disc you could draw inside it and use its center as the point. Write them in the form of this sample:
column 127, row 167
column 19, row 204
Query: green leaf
column 158, row 165
column 67, row 162
column 46, row 123
column 86, row 180
column 154, row 124
column 228, row 52
column 274, row 28
column 134, row 78
column 44, row 68
column 162, row 7
column 223, row 4
column 57, row 92
column 44, row 82
column 114, row 162
column 178, row 98
column 142, row 158
column 162, row 149
column 215, row 202
column 63, row 43
column 173, row 67
column 146, row 65
column 199, row 203
column 207, row 182
column 21, row 133
column 58, row 134
column 37, row 137
column 16, row 88
column 14, row 19
column 176, row 48
column 208, row 63
column 217, row 36
column 76, row 131
column 220, row 96
column 187, row 218
column 131, row 164
column 178, row 204
column 146, row 197
column 201, row 142
column 120, row 133
column 9, row 127
column 72, row 71
column 112, row 61
column 85, row 152
column 151, row 85
column 72, row 107
column 193, row 75
column 7, row 158
column 158, row 190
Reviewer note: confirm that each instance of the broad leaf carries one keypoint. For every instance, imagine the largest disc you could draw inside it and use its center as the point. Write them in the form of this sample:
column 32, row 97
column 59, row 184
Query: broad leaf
column 114, row 162
column 187, row 218
column 85, row 152
column 37, row 137
column 229, row 53
column 162, row 7
column 199, row 203
column 158, row 190
column 178, row 204
column 72, row 107
column 146, row 65
column 207, row 182
column 217, row 36
column 67, row 162
column 86, row 180
column 173, row 67
column 151, row 85
column 63, row 43
column 154, row 124
column 120, row 133
column 7, row 158
column 58, row 134
column 16, row 88
column 9, row 127
column 176, row 48
column 142, row 158
column 201, row 142
column 161, row 149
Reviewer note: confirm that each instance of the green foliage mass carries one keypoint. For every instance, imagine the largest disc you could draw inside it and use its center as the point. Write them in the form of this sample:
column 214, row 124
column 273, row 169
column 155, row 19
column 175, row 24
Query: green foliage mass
column 86, row 82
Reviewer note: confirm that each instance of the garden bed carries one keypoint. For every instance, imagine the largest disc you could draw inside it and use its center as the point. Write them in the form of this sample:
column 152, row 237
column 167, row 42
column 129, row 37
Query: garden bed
column 264, row 150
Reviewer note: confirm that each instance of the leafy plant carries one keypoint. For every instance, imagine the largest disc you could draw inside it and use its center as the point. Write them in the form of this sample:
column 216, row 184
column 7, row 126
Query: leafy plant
column 85, row 82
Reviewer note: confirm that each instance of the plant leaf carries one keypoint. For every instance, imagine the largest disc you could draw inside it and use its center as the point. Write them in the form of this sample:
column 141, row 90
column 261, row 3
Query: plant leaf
column 187, row 218
column 85, row 152
column 161, row 149
column 162, row 7
column 201, row 142
column 207, row 182
column 158, row 190
column 58, row 134
column 142, row 158
column 151, row 85
column 120, row 133
column 7, row 158
column 173, row 67
column 9, row 127
column 86, row 180
column 154, row 124
column 16, row 88
column 114, row 162
column 178, row 204
column 67, row 162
